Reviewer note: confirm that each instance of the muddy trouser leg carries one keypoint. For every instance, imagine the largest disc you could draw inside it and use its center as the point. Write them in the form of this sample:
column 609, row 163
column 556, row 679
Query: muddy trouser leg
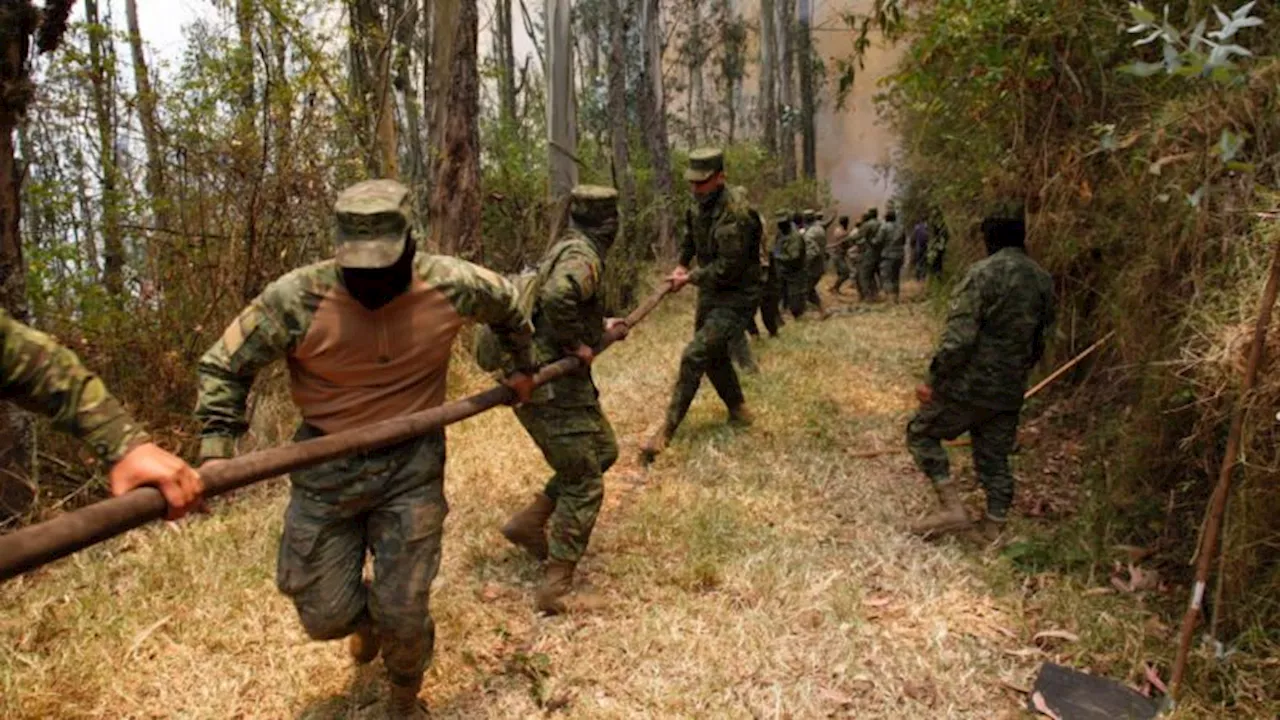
column 890, row 273
column 579, row 444
column 939, row 420
column 722, row 326
column 693, row 365
column 320, row 565
column 740, row 352
column 769, row 313
column 867, row 276
column 993, row 442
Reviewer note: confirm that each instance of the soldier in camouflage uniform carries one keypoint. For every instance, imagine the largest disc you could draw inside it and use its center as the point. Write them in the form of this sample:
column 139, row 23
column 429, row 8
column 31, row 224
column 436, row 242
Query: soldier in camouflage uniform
column 995, row 333
column 368, row 337
column 564, row 416
column 838, row 251
column 815, row 251
column 869, row 258
column 725, row 240
column 892, row 239
column 42, row 376
column 791, row 262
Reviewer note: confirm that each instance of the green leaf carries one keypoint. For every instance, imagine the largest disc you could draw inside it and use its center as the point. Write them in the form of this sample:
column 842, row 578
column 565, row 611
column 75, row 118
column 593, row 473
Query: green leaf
column 1141, row 14
column 1238, row 166
column 1142, row 69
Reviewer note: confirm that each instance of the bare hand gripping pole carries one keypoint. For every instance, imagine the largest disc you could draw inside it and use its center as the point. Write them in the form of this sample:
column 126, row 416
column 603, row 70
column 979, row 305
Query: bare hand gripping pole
column 31, row 547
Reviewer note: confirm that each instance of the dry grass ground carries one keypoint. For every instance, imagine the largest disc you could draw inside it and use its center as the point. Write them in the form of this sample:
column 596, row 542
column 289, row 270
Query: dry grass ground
column 755, row 573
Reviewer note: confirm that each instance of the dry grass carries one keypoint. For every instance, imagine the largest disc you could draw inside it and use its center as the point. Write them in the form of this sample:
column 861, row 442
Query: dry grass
column 750, row 573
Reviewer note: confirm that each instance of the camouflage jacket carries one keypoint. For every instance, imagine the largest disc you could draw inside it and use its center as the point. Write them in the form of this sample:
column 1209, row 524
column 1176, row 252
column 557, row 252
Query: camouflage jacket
column 995, row 332
column 726, row 241
column 892, row 240
column 869, row 234
column 568, row 310
column 42, row 376
column 792, row 251
column 350, row 366
column 814, row 244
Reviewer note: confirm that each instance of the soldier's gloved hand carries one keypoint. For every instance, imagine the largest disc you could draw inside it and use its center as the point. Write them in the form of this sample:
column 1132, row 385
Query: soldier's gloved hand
column 618, row 325
column 678, row 278
column 149, row 464
column 584, row 353
column 924, row 393
column 522, row 384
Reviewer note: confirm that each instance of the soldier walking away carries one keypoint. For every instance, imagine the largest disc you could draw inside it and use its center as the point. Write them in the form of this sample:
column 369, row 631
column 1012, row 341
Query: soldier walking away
column 725, row 241
column 869, row 257
column 42, row 376
column 920, row 249
column 893, row 251
column 367, row 336
column 564, row 417
column 838, row 251
column 791, row 264
column 815, row 250
column 995, row 334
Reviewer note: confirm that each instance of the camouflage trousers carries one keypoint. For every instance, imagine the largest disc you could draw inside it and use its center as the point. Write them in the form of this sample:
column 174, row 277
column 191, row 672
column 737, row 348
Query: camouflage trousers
column 813, row 276
column 715, row 329
column 868, row 268
column 796, row 291
column 578, row 443
column 390, row 504
column 994, row 433
column 840, row 265
column 891, row 274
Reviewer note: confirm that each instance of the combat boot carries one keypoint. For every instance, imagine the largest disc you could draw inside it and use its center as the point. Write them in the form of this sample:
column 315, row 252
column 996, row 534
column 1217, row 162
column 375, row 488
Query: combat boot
column 363, row 643
column 991, row 528
column 528, row 528
column 950, row 518
column 556, row 584
column 741, row 416
column 654, row 446
column 403, row 702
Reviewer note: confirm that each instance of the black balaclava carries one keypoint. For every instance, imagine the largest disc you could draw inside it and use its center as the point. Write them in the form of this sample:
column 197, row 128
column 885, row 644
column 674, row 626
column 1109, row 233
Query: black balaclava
column 891, row 216
column 602, row 233
column 844, row 222
column 798, row 220
column 784, row 226
column 1004, row 232
column 375, row 287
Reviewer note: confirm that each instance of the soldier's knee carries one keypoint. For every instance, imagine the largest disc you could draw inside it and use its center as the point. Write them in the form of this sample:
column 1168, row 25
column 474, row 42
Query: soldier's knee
column 329, row 617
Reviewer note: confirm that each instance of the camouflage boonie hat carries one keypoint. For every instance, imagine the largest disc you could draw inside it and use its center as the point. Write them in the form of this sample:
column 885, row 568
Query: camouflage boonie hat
column 372, row 220
column 703, row 163
column 593, row 204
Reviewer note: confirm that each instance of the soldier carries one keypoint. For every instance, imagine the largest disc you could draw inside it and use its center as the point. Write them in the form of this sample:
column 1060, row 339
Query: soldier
column 995, row 334
column 564, row 417
column 42, row 376
column 725, row 241
column 815, row 250
column 838, row 251
column 869, row 257
column 791, row 264
column 892, row 239
column 367, row 336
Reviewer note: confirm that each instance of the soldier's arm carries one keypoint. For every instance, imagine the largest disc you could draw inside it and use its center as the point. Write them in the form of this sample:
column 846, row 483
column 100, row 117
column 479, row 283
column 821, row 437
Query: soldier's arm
column 688, row 249
column 574, row 280
column 256, row 338
column 961, row 332
column 484, row 296
column 729, row 263
column 42, row 376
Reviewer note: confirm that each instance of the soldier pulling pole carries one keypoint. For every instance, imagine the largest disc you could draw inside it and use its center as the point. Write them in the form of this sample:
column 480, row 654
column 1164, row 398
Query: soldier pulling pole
column 31, row 547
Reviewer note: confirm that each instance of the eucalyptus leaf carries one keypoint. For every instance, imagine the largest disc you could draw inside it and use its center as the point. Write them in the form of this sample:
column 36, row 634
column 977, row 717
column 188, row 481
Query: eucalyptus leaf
column 1141, row 14
column 1142, row 69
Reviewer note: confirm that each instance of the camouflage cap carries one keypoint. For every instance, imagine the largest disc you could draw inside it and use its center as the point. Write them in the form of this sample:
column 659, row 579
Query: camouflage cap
column 703, row 163
column 1006, row 209
column 593, row 204
column 783, row 215
column 810, row 214
column 373, row 218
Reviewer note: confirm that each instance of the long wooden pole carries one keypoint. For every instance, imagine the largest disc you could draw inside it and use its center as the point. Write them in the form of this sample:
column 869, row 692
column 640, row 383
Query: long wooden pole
column 31, row 547
column 1218, row 501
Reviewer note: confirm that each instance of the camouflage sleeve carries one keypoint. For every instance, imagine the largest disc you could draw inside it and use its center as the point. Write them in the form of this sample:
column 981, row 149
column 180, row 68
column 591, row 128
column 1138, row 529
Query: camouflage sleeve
column 256, row 338
column 486, row 297
column 727, row 268
column 42, row 376
column 1046, row 323
column 688, row 248
column 961, row 332
column 574, row 280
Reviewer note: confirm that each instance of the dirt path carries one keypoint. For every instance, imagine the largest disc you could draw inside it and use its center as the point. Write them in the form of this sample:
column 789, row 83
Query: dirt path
column 755, row 573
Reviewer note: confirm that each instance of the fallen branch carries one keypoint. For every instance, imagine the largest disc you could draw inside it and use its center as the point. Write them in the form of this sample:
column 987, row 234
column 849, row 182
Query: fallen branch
column 31, row 547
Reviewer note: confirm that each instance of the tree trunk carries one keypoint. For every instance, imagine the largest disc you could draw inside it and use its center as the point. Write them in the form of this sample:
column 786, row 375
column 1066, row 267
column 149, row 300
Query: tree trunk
column 787, row 136
column 155, row 179
column 245, row 12
column 504, row 44
column 407, row 33
column 618, row 126
column 562, row 131
column 653, row 115
column 102, row 81
column 369, row 56
column 805, row 58
column 455, row 197
column 768, row 73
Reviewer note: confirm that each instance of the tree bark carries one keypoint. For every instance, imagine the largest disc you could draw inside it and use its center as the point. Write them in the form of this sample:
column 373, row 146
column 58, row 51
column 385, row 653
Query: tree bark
column 17, row 22
column 653, row 115
column 618, row 125
column 787, row 136
column 805, row 58
column 768, row 74
column 245, row 12
column 147, row 116
column 102, row 84
column 504, row 44
column 455, row 197
column 562, row 131
column 407, row 33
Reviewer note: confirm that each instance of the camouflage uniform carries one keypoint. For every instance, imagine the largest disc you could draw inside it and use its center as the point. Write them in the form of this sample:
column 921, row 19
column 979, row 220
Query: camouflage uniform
column 869, row 258
column 725, row 241
column 838, row 251
column 995, row 334
column 40, row 375
column 892, row 239
column 350, row 366
column 791, row 259
column 815, row 251
column 564, row 417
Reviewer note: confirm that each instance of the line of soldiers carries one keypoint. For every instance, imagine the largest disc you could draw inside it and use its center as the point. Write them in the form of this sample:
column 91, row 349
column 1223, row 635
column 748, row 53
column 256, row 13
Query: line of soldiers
column 368, row 335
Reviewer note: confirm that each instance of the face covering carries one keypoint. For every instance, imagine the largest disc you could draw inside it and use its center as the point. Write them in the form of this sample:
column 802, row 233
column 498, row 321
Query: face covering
column 602, row 234
column 999, row 234
column 784, row 227
column 708, row 201
column 375, row 287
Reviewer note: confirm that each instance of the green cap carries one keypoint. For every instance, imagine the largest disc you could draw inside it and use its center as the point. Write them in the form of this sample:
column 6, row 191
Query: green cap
column 783, row 215
column 593, row 204
column 810, row 214
column 703, row 163
column 372, row 221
